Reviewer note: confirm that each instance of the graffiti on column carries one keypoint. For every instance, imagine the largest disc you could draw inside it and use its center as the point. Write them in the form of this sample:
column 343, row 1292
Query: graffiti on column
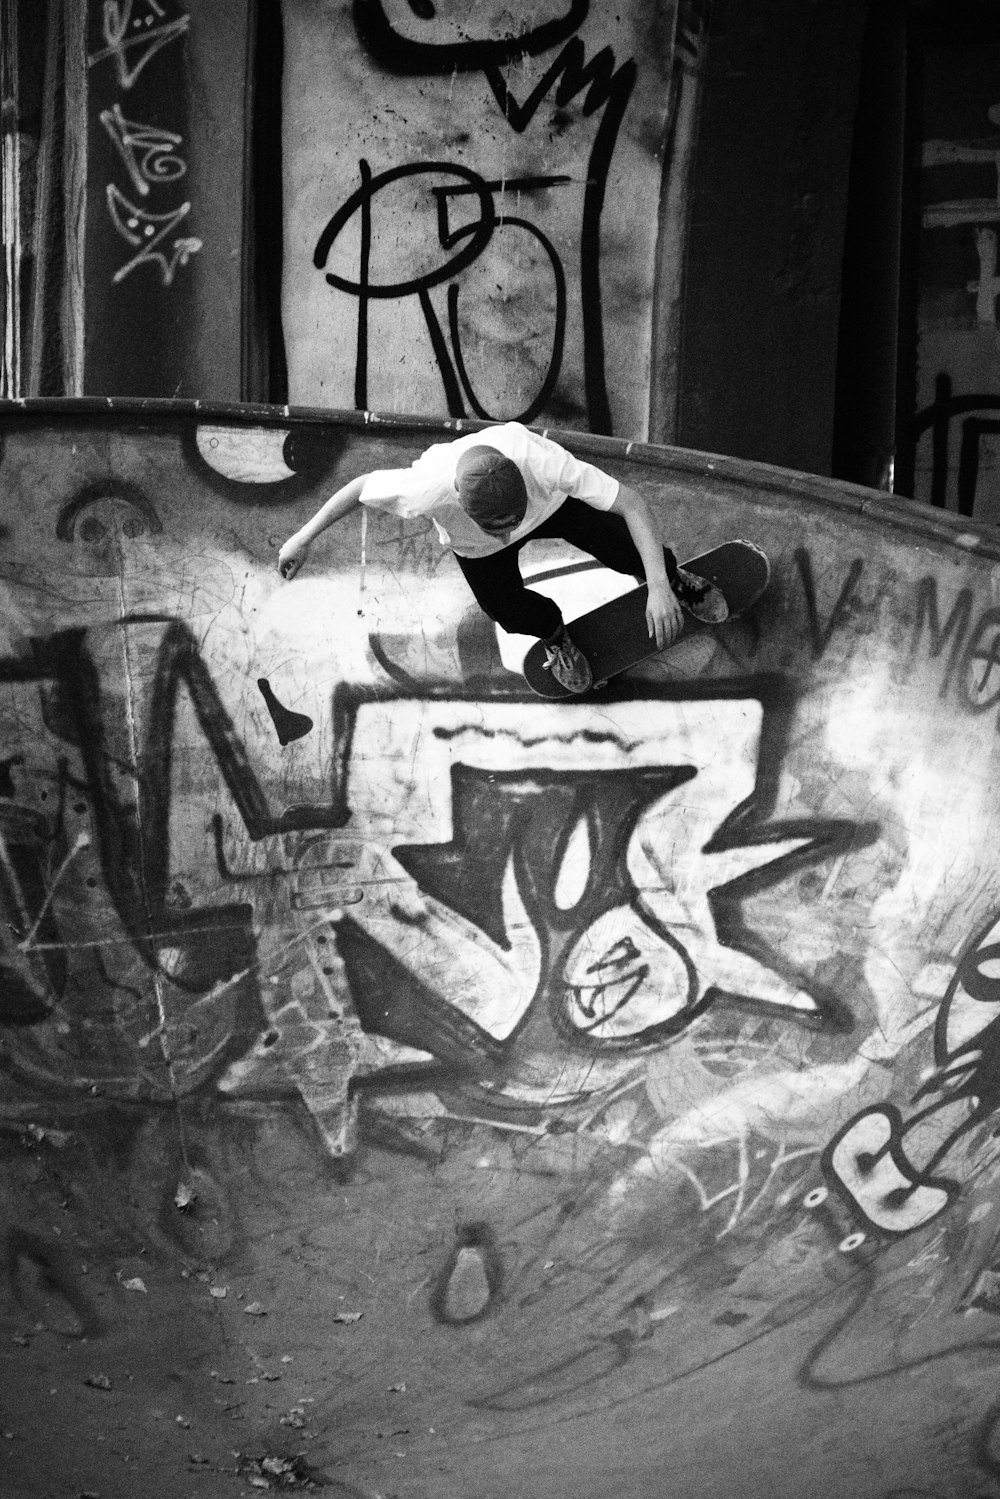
column 500, row 241
column 132, row 35
column 606, row 87
column 967, row 413
column 149, row 154
column 471, row 241
column 957, row 316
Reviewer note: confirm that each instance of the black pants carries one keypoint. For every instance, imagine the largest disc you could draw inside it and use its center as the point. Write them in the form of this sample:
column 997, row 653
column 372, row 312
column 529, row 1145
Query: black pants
column 499, row 588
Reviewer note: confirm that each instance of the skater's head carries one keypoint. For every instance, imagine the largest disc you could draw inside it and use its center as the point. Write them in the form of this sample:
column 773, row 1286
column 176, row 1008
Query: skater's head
column 491, row 490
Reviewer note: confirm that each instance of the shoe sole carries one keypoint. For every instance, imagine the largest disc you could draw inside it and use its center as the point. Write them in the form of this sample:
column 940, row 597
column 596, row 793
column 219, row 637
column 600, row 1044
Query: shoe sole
column 692, row 609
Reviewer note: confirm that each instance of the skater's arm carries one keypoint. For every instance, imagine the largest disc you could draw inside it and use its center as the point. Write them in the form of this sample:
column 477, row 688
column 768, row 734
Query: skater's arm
column 663, row 613
column 295, row 550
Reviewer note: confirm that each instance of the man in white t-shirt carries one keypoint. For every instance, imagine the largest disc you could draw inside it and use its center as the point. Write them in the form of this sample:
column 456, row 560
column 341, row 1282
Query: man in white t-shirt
column 491, row 491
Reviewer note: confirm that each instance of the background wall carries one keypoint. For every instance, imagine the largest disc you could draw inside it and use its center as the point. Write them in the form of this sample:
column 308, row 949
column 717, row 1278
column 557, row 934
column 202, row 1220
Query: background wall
column 768, row 199
column 957, row 370
column 699, row 223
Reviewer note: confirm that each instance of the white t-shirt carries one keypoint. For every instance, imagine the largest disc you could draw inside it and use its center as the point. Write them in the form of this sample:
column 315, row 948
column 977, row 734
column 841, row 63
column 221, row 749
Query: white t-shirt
column 427, row 487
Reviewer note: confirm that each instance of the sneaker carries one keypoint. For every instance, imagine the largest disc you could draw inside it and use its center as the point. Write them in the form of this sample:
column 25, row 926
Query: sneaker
column 568, row 665
column 700, row 598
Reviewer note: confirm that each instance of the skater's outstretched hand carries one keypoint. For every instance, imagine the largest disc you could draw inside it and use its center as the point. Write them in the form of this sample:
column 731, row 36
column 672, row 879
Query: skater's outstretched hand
column 296, row 549
column 292, row 556
column 664, row 616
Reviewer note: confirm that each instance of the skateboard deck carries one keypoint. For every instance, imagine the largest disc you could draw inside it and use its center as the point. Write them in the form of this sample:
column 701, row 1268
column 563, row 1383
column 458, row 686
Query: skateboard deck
column 613, row 637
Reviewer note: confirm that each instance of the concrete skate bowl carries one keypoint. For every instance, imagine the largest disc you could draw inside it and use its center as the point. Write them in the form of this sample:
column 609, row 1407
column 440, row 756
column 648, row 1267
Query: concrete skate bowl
column 412, row 1087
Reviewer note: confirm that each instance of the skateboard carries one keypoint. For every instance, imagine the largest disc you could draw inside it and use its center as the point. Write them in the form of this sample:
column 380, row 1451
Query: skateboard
column 614, row 637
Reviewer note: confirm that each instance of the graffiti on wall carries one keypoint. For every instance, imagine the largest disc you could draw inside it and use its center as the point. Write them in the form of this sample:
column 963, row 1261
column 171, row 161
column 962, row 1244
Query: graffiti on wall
column 583, row 912
column 489, row 275
column 651, row 1028
column 728, row 930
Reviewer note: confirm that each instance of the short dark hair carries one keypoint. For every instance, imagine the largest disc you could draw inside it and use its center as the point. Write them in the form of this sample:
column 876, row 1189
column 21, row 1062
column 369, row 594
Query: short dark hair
column 488, row 483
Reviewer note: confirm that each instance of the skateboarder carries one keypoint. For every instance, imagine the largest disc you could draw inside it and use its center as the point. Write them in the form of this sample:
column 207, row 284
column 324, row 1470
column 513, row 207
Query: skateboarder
column 488, row 493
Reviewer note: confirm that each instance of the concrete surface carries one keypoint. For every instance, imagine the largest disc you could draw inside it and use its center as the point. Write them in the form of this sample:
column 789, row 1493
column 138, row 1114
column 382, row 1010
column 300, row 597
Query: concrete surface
column 413, row 1088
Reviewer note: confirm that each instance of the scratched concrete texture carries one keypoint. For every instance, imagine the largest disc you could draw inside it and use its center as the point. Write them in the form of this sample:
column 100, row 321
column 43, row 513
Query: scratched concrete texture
column 411, row 1087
